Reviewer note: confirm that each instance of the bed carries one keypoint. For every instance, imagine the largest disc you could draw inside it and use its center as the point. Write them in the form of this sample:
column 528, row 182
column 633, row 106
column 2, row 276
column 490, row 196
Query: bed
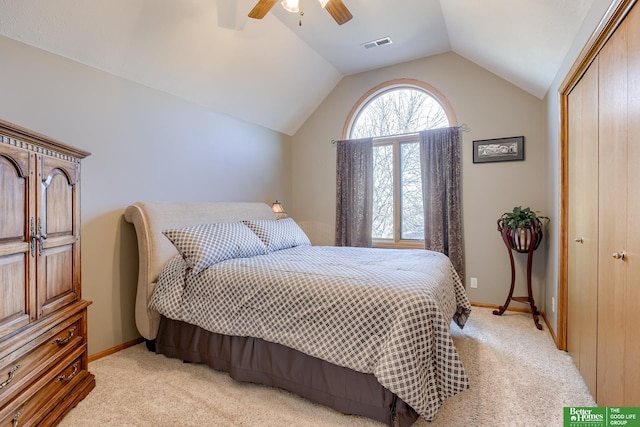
column 354, row 329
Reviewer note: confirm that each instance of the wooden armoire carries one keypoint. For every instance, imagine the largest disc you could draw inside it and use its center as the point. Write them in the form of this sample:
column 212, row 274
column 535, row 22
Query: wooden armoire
column 601, row 164
column 43, row 319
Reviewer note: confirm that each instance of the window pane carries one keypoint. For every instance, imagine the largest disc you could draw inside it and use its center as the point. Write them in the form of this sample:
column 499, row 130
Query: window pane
column 383, row 192
column 399, row 111
column 412, row 216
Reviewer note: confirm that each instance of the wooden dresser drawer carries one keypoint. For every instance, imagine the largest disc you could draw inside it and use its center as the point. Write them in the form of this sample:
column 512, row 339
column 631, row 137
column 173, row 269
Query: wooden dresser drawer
column 23, row 366
column 31, row 408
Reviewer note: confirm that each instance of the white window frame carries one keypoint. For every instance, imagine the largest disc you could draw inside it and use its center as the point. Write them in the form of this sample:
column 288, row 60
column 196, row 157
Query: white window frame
column 397, row 241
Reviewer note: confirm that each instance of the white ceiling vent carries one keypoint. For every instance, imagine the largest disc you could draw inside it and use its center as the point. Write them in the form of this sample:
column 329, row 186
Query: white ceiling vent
column 376, row 43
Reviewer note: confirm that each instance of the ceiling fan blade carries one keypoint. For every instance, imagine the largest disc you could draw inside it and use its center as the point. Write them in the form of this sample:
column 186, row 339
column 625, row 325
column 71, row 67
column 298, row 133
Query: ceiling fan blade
column 261, row 8
column 338, row 11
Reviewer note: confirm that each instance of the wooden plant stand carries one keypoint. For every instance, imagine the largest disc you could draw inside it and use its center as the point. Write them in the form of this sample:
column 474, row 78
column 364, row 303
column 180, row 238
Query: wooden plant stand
column 511, row 242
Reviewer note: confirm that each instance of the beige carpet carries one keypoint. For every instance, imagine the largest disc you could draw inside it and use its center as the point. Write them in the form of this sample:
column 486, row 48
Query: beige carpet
column 518, row 378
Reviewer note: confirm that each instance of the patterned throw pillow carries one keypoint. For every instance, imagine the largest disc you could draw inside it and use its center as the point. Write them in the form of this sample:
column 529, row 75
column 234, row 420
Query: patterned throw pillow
column 279, row 233
column 203, row 245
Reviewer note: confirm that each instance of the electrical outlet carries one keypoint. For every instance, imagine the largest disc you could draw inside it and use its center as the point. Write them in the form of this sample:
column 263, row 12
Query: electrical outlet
column 553, row 304
column 474, row 282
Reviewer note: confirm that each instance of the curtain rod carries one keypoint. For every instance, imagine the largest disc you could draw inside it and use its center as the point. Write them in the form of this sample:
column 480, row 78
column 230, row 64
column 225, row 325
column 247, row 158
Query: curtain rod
column 463, row 128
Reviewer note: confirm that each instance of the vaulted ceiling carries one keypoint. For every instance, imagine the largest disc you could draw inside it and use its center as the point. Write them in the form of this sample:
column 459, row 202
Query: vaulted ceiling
column 274, row 72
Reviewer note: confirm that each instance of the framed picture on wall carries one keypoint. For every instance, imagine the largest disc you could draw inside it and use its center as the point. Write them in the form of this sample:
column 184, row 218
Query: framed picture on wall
column 498, row 150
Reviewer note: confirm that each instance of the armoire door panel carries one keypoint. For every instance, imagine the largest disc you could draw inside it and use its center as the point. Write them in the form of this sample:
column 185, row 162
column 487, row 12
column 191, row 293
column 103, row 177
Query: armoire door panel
column 14, row 195
column 612, row 218
column 58, row 255
column 56, row 279
column 57, row 209
column 632, row 291
column 19, row 158
column 13, row 199
column 14, row 307
column 17, row 305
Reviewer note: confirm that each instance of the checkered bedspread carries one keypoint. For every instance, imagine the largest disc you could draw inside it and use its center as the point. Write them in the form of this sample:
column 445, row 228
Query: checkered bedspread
column 381, row 311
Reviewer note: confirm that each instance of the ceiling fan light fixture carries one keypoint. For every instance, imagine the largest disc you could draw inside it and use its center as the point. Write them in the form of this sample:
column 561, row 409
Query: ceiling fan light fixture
column 336, row 8
column 291, row 6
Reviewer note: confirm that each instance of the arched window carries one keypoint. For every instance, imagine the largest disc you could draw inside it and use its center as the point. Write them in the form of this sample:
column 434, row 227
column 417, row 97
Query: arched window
column 393, row 113
column 398, row 110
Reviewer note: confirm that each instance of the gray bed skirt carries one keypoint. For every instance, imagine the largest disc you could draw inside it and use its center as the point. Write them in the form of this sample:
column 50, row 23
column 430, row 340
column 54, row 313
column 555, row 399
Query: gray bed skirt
column 258, row 361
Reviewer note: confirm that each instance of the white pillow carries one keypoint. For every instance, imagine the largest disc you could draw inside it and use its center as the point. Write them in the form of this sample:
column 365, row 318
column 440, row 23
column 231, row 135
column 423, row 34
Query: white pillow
column 279, row 233
column 203, row 245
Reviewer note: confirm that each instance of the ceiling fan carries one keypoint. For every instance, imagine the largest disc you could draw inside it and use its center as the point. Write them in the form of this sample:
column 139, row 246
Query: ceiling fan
column 336, row 9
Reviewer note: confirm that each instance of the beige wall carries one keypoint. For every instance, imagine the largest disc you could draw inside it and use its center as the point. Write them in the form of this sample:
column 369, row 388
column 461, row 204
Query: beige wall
column 552, row 106
column 145, row 145
column 492, row 108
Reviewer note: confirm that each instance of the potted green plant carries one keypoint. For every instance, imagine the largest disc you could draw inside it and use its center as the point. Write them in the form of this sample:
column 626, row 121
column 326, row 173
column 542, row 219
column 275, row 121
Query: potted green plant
column 519, row 225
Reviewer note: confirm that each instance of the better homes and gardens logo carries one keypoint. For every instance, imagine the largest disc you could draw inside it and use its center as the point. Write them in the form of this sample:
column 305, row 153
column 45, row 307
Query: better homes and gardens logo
column 601, row 417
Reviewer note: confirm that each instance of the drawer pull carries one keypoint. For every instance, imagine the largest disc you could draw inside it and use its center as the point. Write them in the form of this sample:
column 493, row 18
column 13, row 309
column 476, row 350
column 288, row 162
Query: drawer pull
column 71, row 375
column 15, row 419
column 12, row 374
column 64, row 341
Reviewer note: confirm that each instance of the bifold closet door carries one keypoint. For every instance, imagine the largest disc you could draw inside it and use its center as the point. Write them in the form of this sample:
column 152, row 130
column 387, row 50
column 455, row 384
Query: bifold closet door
column 632, row 291
column 612, row 217
column 582, row 321
column 618, row 380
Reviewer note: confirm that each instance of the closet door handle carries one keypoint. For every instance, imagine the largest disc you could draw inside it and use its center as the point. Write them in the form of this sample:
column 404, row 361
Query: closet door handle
column 579, row 239
column 620, row 255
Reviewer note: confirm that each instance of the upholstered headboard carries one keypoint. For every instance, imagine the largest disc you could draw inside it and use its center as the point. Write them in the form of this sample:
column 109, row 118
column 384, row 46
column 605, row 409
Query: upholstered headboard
column 155, row 250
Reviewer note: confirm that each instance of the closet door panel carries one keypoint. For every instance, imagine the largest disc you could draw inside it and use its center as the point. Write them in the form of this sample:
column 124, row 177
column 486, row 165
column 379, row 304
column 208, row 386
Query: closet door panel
column 574, row 297
column 583, row 226
column 612, row 218
column 632, row 294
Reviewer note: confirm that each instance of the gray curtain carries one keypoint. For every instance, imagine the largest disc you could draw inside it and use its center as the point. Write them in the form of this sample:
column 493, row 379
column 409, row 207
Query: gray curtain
column 441, row 188
column 354, row 192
